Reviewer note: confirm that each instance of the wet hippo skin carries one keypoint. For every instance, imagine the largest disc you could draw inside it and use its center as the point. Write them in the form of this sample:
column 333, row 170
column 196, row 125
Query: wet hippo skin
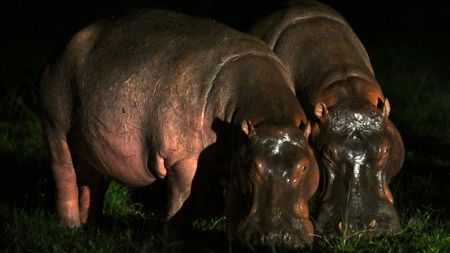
column 357, row 147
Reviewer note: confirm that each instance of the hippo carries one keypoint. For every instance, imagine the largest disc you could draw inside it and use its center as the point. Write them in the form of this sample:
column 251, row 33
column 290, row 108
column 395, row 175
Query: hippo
column 146, row 95
column 357, row 147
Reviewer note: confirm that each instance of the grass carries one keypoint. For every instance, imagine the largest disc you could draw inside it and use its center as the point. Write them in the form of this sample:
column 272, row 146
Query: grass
column 420, row 101
column 419, row 234
column 118, row 202
column 38, row 232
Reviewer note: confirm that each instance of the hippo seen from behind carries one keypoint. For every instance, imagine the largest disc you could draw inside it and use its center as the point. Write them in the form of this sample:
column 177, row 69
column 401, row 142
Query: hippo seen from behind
column 357, row 147
column 142, row 97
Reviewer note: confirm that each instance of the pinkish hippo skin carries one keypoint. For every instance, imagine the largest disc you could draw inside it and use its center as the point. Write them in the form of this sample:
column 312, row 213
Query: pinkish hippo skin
column 358, row 149
column 135, row 99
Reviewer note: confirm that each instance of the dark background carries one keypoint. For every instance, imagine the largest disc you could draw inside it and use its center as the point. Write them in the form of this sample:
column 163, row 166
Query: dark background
column 47, row 23
column 34, row 31
column 414, row 32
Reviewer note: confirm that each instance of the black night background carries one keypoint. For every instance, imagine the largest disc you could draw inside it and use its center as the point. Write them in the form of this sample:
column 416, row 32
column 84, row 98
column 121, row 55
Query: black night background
column 409, row 46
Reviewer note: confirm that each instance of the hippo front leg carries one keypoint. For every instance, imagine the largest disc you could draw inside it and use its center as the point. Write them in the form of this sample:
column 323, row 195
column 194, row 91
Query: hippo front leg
column 179, row 182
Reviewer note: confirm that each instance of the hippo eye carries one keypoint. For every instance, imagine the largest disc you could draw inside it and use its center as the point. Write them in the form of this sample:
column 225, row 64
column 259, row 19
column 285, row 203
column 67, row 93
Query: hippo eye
column 304, row 168
column 257, row 165
column 257, row 169
column 329, row 154
column 299, row 171
column 301, row 168
column 382, row 152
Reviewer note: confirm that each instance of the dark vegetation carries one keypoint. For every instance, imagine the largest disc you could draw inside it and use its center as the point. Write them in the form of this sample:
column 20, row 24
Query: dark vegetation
column 409, row 49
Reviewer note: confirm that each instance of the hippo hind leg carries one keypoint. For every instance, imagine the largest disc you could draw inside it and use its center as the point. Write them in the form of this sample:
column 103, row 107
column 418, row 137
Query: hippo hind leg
column 92, row 188
column 80, row 191
column 67, row 204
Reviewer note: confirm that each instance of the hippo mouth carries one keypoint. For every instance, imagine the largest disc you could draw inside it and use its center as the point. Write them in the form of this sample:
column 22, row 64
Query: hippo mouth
column 296, row 235
column 333, row 223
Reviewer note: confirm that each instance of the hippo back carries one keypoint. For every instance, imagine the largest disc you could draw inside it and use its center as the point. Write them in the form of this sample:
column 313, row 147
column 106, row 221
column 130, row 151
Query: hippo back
column 141, row 83
column 161, row 66
column 291, row 31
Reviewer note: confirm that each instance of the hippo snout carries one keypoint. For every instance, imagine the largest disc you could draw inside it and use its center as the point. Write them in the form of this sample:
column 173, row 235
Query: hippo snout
column 385, row 221
column 369, row 227
column 288, row 237
column 279, row 241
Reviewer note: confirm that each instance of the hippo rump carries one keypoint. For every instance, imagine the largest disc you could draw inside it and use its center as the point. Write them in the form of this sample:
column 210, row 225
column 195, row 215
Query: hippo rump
column 144, row 96
column 357, row 147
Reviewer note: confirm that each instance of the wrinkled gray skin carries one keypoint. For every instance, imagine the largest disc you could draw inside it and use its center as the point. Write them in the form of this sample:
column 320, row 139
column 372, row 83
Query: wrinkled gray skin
column 357, row 147
column 135, row 99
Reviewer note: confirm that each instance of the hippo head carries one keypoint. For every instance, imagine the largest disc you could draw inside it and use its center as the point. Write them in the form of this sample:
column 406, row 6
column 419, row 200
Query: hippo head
column 358, row 150
column 273, row 176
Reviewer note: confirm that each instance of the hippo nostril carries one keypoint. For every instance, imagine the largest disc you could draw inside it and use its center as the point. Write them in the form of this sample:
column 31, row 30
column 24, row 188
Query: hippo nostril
column 285, row 241
column 262, row 239
column 373, row 224
column 287, row 237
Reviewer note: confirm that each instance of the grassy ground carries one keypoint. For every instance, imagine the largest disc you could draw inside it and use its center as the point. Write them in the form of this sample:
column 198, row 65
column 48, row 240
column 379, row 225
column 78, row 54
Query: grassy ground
column 420, row 101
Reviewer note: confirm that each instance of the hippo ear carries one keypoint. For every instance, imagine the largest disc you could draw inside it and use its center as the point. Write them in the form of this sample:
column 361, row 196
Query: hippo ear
column 384, row 106
column 321, row 111
column 314, row 131
column 306, row 128
column 247, row 128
